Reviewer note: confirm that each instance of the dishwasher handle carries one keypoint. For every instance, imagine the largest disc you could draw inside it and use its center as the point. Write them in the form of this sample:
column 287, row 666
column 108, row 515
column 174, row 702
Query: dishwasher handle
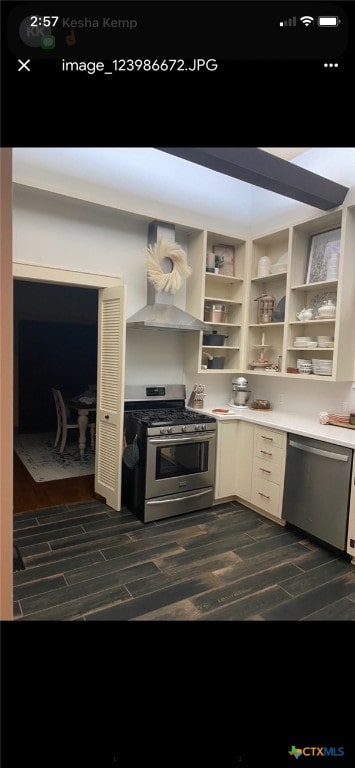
column 319, row 451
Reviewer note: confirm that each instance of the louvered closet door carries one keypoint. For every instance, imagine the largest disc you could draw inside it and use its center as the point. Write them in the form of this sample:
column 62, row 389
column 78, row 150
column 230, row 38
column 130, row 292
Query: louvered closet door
column 110, row 394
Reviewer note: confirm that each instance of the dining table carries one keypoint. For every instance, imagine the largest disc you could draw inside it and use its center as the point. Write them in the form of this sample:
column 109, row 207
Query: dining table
column 83, row 405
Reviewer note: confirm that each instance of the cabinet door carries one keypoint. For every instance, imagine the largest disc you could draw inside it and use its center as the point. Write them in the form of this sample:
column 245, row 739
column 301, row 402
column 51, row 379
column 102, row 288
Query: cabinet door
column 269, row 470
column 266, row 495
column 244, row 459
column 227, row 437
column 110, row 395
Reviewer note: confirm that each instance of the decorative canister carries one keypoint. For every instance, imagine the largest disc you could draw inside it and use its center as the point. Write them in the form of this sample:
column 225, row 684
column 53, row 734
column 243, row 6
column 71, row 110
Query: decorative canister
column 264, row 266
column 210, row 261
column 327, row 309
column 216, row 313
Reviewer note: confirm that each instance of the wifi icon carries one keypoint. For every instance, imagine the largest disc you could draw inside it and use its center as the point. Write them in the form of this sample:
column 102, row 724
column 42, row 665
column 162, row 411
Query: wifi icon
column 307, row 20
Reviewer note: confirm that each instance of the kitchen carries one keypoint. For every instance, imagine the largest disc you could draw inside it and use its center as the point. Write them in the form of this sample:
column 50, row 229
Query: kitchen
column 76, row 237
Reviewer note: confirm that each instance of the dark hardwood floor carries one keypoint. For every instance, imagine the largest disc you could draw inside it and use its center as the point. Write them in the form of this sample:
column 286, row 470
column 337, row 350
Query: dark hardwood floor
column 31, row 495
column 84, row 561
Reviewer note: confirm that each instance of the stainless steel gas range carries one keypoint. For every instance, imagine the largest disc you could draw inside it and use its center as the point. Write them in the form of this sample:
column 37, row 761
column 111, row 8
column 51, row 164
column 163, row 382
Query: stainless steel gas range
column 171, row 467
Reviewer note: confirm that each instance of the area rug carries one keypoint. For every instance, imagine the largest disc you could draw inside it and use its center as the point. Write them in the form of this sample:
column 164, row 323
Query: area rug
column 45, row 463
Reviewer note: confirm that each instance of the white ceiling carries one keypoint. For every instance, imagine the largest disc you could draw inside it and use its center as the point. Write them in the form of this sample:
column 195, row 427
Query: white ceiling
column 152, row 177
column 285, row 153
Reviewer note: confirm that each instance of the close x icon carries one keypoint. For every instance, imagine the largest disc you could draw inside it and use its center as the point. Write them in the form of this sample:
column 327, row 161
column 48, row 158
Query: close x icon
column 23, row 65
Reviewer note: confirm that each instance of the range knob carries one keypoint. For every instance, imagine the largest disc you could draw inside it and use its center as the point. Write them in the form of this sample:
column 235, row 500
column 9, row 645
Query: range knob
column 183, row 428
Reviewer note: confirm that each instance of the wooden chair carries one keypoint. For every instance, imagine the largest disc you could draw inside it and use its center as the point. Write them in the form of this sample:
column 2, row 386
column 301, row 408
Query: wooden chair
column 65, row 422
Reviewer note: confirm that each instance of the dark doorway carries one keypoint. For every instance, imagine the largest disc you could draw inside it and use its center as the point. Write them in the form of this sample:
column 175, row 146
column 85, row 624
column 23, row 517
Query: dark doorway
column 52, row 354
column 55, row 344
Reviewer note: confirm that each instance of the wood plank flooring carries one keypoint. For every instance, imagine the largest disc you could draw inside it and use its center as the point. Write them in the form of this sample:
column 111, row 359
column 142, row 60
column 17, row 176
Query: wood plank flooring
column 31, row 495
column 86, row 562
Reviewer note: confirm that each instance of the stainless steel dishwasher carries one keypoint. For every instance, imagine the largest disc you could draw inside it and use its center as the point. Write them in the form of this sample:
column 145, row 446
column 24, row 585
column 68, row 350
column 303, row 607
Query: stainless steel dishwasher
column 317, row 488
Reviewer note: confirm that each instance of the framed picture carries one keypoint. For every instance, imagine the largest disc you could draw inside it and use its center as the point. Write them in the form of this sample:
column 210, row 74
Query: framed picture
column 224, row 259
column 323, row 256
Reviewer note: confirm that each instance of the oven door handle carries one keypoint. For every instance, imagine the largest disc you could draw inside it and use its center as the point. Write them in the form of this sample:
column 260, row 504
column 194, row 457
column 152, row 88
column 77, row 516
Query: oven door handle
column 178, row 498
column 177, row 440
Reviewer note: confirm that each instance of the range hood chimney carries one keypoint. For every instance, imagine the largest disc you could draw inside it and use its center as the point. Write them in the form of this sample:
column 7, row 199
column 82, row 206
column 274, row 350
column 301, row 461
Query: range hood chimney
column 160, row 313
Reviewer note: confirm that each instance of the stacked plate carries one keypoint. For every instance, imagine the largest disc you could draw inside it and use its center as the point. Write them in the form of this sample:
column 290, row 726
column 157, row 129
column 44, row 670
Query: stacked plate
column 302, row 341
column 326, row 341
column 322, row 367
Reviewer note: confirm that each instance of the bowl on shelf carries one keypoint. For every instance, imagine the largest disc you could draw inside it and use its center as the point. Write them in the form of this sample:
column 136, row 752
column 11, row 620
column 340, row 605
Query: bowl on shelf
column 305, row 368
column 301, row 361
column 278, row 269
column 304, row 315
column 324, row 340
column 327, row 310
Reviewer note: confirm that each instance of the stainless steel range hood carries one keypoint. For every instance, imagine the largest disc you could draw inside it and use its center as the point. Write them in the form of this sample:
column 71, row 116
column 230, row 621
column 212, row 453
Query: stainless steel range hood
column 160, row 313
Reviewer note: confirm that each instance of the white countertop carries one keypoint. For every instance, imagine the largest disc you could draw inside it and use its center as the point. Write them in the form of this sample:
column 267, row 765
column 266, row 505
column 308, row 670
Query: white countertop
column 308, row 426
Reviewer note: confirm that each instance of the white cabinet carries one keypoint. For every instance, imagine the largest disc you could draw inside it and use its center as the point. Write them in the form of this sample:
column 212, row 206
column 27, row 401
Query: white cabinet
column 299, row 290
column 292, row 288
column 304, row 294
column 226, row 459
column 209, row 290
column 268, row 470
column 235, row 441
column 251, row 465
column 243, row 472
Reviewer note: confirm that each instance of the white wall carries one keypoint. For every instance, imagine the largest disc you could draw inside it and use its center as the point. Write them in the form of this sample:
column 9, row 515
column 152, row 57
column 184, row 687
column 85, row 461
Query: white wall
column 307, row 397
column 165, row 187
column 154, row 357
column 57, row 231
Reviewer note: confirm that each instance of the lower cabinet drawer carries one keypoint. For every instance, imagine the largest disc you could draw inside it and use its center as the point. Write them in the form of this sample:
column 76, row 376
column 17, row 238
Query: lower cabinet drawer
column 270, row 437
column 268, row 452
column 266, row 495
column 264, row 470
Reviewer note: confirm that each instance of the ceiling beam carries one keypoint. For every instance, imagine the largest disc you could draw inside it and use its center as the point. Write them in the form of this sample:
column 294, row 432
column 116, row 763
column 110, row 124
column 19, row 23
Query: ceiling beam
column 262, row 169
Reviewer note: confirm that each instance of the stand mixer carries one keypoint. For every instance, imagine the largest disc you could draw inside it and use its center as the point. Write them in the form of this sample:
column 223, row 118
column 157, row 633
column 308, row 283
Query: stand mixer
column 240, row 393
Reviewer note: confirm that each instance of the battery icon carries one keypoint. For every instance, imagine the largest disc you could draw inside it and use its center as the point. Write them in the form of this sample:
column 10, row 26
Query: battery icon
column 328, row 21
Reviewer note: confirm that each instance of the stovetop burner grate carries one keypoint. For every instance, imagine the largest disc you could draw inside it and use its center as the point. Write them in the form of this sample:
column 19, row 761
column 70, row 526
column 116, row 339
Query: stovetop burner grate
column 159, row 417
